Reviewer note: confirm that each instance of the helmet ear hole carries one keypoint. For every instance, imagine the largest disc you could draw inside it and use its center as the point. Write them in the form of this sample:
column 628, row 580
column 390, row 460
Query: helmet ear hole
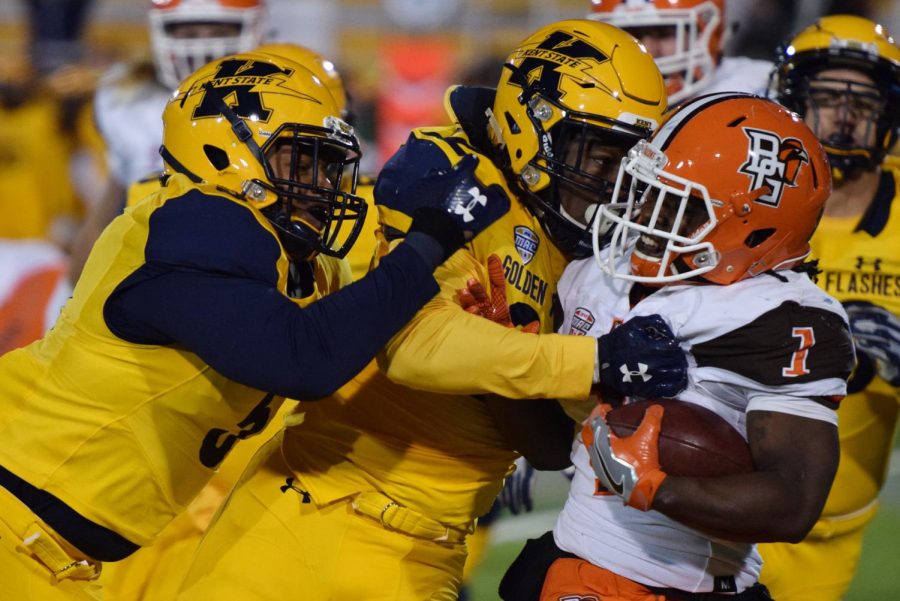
column 511, row 123
column 757, row 237
column 216, row 156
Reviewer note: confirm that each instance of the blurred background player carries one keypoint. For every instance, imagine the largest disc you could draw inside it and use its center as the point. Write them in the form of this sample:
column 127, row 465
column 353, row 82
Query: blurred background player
column 843, row 75
column 32, row 267
column 374, row 493
column 687, row 38
column 47, row 154
column 138, row 393
column 37, row 197
column 184, row 35
column 728, row 210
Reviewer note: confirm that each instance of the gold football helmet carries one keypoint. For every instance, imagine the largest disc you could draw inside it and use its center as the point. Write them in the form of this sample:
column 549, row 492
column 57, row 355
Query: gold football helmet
column 856, row 117
column 266, row 130
column 320, row 66
column 573, row 97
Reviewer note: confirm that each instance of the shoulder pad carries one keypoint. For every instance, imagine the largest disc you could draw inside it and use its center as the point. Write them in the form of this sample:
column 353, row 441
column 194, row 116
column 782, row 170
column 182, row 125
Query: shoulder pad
column 466, row 105
column 198, row 230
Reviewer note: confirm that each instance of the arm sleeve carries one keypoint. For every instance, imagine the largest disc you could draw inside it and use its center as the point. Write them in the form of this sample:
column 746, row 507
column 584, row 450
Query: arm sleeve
column 220, row 301
column 447, row 350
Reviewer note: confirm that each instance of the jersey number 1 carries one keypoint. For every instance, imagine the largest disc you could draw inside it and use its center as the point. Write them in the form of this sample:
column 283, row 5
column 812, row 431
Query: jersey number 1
column 798, row 359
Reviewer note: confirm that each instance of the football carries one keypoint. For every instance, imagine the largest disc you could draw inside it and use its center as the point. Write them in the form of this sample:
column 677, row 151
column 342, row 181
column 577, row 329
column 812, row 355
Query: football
column 693, row 441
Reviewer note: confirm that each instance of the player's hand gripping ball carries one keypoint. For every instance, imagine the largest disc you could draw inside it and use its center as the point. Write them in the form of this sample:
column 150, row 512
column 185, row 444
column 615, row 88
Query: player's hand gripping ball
column 634, row 448
column 693, row 441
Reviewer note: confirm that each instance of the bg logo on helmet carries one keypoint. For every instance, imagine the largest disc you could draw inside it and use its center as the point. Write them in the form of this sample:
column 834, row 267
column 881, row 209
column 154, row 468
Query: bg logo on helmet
column 772, row 162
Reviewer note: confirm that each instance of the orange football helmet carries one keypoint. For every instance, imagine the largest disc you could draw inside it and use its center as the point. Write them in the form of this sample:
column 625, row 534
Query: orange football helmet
column 220, row 27
column 697, row 25
column 730, row 186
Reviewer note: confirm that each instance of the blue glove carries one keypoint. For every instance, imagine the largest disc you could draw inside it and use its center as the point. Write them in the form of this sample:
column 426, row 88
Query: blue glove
column 641, row 358
column 453, row 206
column 876, row 332
column 518, row 489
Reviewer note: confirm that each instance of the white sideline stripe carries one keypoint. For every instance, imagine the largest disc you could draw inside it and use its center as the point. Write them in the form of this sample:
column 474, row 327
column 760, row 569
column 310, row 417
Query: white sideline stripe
column 519, row 527
column 530, row 525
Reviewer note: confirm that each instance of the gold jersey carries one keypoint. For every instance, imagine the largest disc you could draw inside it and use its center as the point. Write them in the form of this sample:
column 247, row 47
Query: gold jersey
column 137, row 429
column 413, row 431
column 863, row 264
column 35, row 184
column 362, row 251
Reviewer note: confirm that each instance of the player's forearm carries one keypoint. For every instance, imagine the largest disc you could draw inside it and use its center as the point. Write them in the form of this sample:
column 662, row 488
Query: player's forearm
column 249, row 332
column 796, row 459
column 756, row 507
column 449, row 351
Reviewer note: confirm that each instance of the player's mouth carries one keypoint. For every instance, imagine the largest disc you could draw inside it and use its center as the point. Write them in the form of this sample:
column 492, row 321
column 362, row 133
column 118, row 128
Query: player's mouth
column 649, row 247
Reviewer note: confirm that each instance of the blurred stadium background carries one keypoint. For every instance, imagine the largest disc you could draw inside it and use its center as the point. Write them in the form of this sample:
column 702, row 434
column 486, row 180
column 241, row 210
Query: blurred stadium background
column 397, row 57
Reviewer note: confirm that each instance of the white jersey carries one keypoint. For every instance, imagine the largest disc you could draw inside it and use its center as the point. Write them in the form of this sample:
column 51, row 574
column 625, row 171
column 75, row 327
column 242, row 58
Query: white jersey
column 33, row 289
column 760, row 344
column 739, row 74
column 128, row 111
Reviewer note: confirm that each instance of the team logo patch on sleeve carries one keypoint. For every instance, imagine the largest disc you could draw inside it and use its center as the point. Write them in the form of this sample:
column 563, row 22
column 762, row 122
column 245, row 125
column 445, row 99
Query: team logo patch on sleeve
column 527, row 243
column 582, row 322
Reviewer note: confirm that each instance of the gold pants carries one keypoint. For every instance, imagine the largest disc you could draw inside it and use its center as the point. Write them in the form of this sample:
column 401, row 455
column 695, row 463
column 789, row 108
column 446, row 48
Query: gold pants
column 36, row 564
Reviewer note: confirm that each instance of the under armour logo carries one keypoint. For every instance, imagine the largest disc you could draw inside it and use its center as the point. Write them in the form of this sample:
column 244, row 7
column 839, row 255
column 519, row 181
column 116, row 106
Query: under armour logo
column 289, row 485
column 465, row 208
column 862, row 261
column 641, row 372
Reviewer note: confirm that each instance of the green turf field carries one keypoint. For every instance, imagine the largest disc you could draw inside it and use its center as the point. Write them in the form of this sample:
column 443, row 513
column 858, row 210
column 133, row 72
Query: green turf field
column 878, row 578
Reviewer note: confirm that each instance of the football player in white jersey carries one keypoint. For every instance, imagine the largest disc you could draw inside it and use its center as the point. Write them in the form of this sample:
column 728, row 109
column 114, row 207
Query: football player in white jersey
column 184, row 35
column 721, row 204
column 687, row 38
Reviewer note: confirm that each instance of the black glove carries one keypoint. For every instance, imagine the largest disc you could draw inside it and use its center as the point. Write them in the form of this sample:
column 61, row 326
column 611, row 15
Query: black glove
column 641, row 358
column 453, row 206
column 876, row 332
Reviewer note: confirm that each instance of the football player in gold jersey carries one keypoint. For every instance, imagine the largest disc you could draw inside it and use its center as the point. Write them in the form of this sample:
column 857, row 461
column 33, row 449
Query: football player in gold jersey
column 155, row 572
column 843, row 75
column 372, row 494
column 194, row 317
